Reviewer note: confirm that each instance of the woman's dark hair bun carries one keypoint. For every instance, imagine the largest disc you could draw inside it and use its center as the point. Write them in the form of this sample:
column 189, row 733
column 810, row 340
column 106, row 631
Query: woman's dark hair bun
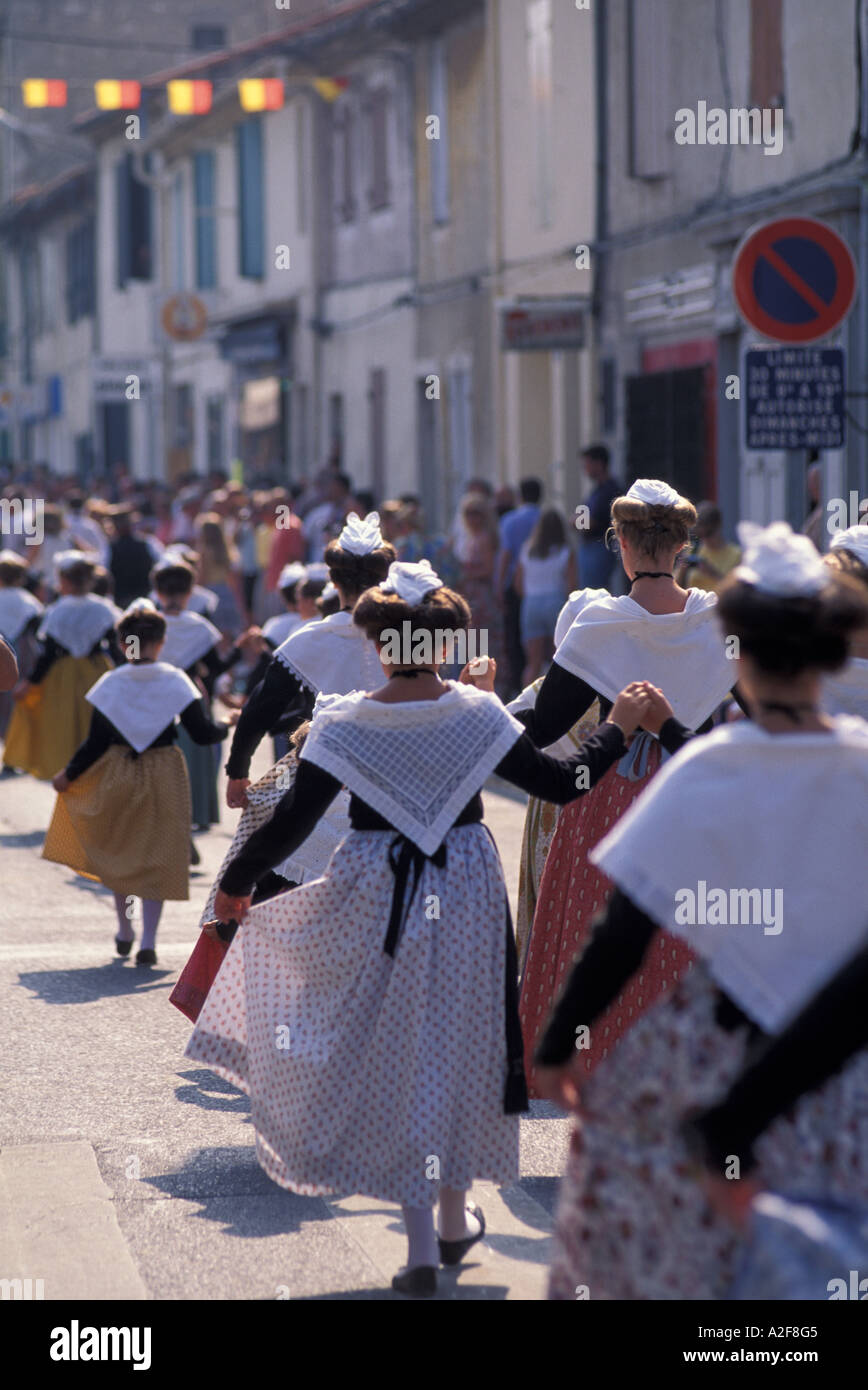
column 786, row 636
column 440, row 610
column 356, row 573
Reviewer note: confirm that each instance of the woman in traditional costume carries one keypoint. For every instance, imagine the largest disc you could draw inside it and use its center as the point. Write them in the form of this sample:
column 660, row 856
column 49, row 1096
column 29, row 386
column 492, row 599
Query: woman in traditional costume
column 667, row 636
column 77, row 637
column 331, row 656
column 778, row 804
column 20, row 615
column 846, row 692
column 192, row 644
column 380, row 979
column 123, row 813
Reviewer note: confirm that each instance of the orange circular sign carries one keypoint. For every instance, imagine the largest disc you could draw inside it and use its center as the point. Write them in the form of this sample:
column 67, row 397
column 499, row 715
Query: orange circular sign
column 184, row 317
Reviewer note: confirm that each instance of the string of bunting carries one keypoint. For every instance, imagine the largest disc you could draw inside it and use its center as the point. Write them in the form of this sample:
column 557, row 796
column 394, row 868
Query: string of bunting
column 186, row 96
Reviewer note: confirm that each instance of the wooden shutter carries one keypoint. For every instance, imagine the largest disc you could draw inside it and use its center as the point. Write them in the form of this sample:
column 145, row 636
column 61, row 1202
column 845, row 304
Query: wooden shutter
column 651, row 123
column 251, row 209
column 123, row 241
column 204, row 219
column 378, row 112
column 766, row 53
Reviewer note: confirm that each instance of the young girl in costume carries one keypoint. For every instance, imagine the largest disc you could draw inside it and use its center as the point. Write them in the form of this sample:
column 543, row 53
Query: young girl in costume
column 192, row 643
column 77, row 637
column 392, row 975
column 123, row 813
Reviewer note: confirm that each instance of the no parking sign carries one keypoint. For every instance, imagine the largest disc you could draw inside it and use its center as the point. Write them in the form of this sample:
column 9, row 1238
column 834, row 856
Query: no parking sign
column 794, row 279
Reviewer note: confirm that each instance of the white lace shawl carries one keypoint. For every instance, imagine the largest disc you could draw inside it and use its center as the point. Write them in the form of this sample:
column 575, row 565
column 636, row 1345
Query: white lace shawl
column 188, row 637
column 141, row 700
column 18, row 607
column 333, row 655
column 614, row 641
column 418, row 764
column 277, row 629
column 78, row 623
column 741, row 809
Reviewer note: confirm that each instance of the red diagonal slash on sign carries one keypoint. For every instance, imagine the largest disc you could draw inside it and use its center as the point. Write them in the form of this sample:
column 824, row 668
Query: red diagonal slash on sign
column 795, row 281
column 760, row 244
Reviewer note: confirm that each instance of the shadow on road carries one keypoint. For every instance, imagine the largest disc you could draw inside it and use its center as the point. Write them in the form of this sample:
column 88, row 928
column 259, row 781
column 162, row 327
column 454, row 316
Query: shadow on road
column 200, row 1092
column 449, row 1290
column 84, row 985
column 27, row 839
column 234, row 1192
column 544, row 1191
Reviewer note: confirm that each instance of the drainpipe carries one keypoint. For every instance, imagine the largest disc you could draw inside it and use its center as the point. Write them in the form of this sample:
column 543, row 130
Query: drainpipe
column 860, row 371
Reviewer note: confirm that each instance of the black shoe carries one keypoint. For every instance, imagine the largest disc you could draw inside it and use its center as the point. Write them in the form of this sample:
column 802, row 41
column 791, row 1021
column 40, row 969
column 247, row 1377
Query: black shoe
column 195, row 856
column 122, row 947
column 452, row 1252
column 420, row 1282
column 146, row 958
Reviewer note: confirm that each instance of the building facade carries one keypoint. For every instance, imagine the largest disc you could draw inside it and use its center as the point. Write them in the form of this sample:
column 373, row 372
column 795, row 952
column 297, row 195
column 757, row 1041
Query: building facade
column 674, row 214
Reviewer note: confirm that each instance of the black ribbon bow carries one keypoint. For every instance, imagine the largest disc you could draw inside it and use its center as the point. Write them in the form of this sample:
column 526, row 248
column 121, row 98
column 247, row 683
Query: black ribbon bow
column 404, row 858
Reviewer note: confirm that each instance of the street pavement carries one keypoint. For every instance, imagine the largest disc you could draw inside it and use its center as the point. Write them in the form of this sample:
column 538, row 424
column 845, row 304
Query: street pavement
column 127, row 1171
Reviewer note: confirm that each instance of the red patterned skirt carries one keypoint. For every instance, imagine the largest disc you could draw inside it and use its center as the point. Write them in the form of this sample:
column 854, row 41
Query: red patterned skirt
column 572, row 893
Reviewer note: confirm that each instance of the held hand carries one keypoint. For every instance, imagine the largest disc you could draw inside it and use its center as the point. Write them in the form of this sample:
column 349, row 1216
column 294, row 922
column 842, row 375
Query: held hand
column 236, row 792
column 657, row 712
column 232, row 718
column 61, row 782
column 482, row 679
column 559, row 1084
column 229, row 909
column 629, row 708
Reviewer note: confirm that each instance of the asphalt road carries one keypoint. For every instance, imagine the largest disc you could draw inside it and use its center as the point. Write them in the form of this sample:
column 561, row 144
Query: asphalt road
column 127, row 1171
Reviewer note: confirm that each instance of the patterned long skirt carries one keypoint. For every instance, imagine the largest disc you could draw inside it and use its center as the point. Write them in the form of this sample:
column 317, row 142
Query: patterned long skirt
column 632, row 1222
column 372, row 1073
column 540, row 823
column 572, row 893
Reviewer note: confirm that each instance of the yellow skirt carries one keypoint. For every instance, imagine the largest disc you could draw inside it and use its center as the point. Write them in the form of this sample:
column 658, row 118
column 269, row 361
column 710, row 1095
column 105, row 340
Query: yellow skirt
column 126, row 822
column 52, row 720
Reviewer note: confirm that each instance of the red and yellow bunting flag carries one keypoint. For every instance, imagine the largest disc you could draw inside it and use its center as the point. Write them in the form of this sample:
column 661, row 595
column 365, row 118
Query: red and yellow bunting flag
column 260, row 93
column 330, row 88
column 117, row 96
column 188, row 98
column 43, row 91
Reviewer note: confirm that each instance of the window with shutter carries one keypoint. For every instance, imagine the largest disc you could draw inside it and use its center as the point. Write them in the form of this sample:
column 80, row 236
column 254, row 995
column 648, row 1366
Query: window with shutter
column 133, row 216
column 123, row 242
column 539, row 55
column 766, row 54
column 378, row 117
column 438, row 150
column 344, row 199
column 80, row 271
column 251, row 200
column 205, row 220
column 651, row 121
